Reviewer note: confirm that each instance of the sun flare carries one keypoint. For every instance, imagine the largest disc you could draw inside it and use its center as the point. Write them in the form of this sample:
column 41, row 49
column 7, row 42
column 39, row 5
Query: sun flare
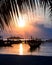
column 21, row 24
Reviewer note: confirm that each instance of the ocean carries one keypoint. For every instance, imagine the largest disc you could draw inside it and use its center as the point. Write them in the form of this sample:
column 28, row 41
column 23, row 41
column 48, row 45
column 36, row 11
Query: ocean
column 45, row 49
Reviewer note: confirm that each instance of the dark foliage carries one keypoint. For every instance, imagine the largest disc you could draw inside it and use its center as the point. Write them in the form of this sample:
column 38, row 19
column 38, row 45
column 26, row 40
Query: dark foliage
column 5, row 7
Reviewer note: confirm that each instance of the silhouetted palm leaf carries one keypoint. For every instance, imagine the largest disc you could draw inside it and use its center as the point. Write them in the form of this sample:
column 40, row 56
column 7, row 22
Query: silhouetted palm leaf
column 5, row 8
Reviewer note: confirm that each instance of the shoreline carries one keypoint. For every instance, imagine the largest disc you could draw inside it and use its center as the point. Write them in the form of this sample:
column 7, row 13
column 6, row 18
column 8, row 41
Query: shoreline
column 9, row 59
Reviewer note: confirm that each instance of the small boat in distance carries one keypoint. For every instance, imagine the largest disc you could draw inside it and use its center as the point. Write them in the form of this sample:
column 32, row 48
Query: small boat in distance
column 34, row 43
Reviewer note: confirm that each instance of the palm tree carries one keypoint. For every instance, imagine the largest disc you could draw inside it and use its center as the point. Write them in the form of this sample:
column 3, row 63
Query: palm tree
column 5, row 8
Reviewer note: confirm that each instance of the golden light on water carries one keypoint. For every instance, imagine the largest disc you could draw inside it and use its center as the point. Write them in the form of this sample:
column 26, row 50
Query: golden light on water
column 21, row 50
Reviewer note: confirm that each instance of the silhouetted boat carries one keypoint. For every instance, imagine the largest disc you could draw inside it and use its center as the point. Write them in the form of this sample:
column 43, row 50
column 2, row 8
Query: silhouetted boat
column 34, row 43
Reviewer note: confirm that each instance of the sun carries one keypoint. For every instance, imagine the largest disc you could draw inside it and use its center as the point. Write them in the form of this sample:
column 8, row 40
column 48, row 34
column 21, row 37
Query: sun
column 21, row 23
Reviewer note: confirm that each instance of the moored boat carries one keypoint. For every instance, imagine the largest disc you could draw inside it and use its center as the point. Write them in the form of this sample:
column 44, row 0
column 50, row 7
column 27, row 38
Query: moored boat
column 34, row 43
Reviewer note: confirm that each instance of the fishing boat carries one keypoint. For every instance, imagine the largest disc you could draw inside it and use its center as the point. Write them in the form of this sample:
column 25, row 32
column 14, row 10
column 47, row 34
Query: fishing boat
column 34, row 43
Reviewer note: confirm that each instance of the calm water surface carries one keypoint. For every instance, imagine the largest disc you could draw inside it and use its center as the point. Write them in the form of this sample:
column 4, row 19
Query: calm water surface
column 24, row 49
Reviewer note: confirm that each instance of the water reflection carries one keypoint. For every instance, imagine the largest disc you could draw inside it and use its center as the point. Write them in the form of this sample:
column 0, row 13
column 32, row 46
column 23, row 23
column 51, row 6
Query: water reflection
column 21, row 49
column 34, row 49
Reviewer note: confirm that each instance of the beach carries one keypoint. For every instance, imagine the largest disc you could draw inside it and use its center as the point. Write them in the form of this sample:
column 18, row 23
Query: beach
column 9, row 59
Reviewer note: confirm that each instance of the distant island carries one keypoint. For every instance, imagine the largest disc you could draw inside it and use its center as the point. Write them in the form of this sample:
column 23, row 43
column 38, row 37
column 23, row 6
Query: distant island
column 14, row 37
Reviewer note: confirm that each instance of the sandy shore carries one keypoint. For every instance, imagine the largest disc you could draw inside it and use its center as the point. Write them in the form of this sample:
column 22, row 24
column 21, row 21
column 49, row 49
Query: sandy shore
column 25, row 60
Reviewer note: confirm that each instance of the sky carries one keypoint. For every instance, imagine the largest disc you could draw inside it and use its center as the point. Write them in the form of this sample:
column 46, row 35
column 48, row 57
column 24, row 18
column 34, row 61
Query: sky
column 26, row 18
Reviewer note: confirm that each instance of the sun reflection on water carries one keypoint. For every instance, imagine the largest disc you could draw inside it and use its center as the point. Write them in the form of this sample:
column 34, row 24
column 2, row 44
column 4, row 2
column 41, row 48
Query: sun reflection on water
column 21, row 49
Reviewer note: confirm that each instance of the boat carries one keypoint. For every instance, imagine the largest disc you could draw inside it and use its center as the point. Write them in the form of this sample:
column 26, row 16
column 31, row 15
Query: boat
column 34, row 43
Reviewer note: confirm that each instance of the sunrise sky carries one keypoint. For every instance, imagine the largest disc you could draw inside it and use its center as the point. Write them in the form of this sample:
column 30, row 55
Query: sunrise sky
column 30, row 20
